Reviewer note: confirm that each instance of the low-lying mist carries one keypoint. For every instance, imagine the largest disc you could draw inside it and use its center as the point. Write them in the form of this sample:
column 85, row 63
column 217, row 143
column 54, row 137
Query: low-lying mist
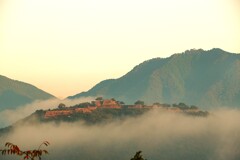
column 8, row 117
column 160, row 135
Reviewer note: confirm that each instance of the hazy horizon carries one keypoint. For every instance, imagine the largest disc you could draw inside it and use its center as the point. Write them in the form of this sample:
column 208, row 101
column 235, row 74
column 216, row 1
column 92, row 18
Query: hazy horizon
column 65, row 47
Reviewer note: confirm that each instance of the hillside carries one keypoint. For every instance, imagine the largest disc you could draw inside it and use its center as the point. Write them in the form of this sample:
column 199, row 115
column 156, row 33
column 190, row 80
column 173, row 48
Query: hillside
column 15, row 93
column 107, row 110
column 102, row 111
column 203, row 78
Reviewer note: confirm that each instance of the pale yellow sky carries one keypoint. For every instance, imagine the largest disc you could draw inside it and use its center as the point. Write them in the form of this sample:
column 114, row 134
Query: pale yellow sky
column 67, row 46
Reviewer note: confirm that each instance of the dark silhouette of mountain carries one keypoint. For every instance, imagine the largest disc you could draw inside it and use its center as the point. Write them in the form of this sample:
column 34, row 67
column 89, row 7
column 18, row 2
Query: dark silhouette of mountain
column 15, row 93
column 203, row 78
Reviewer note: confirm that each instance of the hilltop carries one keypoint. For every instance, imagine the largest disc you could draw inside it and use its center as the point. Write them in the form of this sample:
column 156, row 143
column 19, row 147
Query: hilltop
column 105, row 110
column 203, row 78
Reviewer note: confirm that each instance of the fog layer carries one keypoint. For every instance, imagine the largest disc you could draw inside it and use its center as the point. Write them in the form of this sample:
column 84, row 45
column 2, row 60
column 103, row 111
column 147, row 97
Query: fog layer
column 158, row 134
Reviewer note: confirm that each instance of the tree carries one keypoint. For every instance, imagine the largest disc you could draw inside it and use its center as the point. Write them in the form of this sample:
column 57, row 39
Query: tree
column 13, row 149
column 121, row 102
column 113, row 99
column 139, row 102
column 194, row 107
column 61, row 106
column 183, row 106
column 138, row 156
column 165, row 105
column 99, row 99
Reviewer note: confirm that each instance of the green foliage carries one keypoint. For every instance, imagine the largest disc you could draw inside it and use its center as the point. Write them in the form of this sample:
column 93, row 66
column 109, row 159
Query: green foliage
column 99, row 98
column 121, row 102
column 193, row 107
column 183, row 106
column 139, row 102
column 83, row 105
column 61, row 106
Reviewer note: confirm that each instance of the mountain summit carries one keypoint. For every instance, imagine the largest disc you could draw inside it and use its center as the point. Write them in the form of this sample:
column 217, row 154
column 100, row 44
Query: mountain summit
column 15, row 93
column 205, row 78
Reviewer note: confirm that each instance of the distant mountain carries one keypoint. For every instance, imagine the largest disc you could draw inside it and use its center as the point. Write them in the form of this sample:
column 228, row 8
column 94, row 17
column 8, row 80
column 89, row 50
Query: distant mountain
column 198, row 77
column 15, row 93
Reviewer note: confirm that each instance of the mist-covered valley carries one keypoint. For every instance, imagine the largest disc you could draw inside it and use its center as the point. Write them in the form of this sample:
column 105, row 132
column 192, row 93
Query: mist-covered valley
column 159, row 134
column 168, row 70
column 209, row 79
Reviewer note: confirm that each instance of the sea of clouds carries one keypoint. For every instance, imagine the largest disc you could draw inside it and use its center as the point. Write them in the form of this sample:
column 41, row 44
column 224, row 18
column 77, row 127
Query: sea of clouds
column 160, row 135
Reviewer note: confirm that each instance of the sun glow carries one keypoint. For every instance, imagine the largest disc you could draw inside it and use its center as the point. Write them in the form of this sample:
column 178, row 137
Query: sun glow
column 58, row 45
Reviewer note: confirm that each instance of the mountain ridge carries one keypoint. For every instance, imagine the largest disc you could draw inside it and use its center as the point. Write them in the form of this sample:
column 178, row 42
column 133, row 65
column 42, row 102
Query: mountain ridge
column 195, row 77
column 14, row 93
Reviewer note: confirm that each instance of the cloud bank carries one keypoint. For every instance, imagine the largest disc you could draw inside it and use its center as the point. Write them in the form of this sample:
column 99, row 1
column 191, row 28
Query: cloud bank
column 159, row 135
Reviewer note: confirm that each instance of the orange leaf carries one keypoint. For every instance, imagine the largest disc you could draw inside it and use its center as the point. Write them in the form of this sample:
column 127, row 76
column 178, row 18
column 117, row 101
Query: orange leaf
column 46, row 152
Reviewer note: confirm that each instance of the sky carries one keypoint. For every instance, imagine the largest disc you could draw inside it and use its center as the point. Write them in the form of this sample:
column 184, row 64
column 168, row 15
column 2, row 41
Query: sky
column 67, row 46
